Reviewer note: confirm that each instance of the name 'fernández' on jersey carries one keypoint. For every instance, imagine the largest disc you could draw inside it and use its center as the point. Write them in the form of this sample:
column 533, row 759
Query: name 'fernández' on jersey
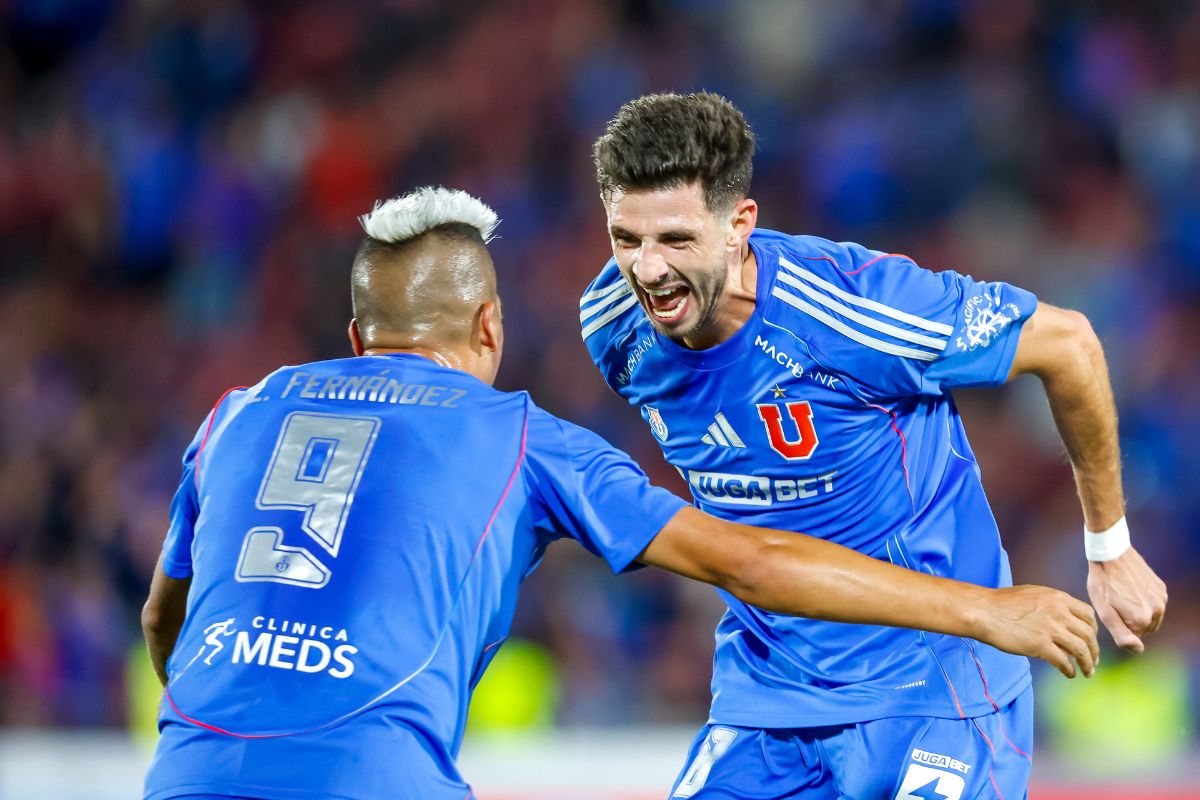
column 829, row 412
column 356, row 531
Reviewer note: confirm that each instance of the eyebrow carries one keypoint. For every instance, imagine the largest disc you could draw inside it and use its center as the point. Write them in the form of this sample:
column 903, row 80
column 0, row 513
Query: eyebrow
column 672, row 235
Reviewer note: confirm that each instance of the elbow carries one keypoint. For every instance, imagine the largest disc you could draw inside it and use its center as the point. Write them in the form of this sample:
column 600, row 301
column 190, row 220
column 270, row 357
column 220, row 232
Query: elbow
column 1079, row 334
column 758, row 575
column 1087, row 358
column 153, row 620
column 1078, row 353
column 738, row 570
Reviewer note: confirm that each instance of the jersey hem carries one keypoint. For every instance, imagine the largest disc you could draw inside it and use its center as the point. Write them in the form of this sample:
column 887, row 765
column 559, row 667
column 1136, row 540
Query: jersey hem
column 871, row 711
column 182, row 791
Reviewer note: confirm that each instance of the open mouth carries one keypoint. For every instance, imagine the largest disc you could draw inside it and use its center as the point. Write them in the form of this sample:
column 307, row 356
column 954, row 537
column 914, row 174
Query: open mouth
column 667, row 305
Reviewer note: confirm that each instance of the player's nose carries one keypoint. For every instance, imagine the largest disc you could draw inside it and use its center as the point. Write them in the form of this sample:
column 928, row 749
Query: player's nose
column 651, row 268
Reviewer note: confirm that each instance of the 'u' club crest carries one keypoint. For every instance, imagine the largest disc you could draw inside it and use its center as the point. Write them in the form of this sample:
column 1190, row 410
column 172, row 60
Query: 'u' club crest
column 656, row 423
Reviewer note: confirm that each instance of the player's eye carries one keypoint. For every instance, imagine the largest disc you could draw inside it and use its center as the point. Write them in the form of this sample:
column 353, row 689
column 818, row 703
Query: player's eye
column 677, row 241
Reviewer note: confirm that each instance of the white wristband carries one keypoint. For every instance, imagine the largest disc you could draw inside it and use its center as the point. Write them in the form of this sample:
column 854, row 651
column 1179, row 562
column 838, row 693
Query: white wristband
column 1107, row 545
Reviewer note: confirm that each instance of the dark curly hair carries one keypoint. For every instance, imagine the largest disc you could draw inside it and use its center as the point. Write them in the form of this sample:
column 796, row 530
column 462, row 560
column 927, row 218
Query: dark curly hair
column 664, row 140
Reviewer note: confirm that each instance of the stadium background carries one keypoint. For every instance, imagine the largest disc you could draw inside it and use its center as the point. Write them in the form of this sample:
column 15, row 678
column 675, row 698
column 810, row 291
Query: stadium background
column 178, row 189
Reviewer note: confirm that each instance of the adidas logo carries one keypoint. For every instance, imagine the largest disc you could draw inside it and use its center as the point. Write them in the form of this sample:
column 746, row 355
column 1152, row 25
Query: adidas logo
column 722, row 434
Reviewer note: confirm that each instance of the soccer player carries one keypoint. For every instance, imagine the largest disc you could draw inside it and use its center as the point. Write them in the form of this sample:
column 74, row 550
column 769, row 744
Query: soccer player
column 804, row 384
column 348, row 537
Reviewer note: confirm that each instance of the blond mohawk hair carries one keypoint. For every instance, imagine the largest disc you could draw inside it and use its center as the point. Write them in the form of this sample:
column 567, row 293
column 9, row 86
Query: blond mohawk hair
column 404, row 217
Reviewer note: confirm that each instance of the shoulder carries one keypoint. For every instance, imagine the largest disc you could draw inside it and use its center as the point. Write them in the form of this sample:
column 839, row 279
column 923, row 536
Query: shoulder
column 848, row 298
column 556, row 447
column 548, row 452
column 612, row 323
column 851, row 267
column 548, row 433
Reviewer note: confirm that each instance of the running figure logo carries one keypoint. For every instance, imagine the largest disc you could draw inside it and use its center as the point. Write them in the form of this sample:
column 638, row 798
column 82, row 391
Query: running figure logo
column 212, row 637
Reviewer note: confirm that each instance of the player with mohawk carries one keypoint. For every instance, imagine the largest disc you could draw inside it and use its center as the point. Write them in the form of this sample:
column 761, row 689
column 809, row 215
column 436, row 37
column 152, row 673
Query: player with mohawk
column 348, row 538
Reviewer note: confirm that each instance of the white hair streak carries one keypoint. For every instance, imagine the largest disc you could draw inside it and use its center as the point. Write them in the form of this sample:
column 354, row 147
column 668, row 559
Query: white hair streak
column 412, row 214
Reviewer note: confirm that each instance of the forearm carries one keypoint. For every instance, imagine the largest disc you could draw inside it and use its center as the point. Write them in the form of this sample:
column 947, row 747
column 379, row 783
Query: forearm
column 1081, row 401
column 801, row 575
column 805, row 576
column 162, row 617
column 160, row 641
column 791, row 573
column 1062, row 350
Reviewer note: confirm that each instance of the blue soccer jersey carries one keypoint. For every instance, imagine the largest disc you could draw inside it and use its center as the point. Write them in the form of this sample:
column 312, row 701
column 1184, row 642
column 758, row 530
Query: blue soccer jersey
column 829, row 413
column 356, row 532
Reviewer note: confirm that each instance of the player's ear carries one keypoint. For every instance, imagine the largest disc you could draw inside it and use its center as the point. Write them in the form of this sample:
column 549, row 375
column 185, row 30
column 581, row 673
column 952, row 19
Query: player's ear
column 489, row 329
column 487, row 340
column 743, row 219
column 356, row 343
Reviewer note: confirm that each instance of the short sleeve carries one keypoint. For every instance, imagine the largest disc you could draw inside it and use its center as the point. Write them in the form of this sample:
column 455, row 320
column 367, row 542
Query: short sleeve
column 987, row 325
column 903, row 329
column 609, row 315
column 177, row 548
column 583, row 488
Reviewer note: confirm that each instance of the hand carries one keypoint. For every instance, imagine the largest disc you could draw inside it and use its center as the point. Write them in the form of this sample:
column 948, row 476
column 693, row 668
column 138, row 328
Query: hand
column 1130, row 599
column 1042, row 623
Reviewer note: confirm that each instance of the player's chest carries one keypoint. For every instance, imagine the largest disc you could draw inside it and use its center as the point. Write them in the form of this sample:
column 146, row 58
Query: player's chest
column 772, row 413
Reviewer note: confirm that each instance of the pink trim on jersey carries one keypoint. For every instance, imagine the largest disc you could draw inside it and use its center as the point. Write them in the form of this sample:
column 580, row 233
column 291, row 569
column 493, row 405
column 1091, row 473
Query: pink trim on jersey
column 821, row 258
column 979, row 728
column 214, row 728
column 999, row 717
column 982, row 677
column 878, row 258
column 1003, row 731
column 212, row 417
column 991, row 773
column 511, row 479
column 992, row 778
column 903, row 447
column 953, row 693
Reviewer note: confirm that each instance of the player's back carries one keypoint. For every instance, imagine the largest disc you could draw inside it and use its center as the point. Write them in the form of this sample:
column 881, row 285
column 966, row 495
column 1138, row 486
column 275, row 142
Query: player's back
column 343, row 598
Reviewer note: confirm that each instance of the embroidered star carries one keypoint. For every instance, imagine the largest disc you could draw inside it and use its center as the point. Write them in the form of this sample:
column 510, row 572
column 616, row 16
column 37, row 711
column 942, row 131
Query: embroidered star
column 778, row 392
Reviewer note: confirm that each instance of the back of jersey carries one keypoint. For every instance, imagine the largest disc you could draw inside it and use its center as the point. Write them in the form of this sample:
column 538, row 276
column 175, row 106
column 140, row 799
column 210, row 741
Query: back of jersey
column 338, row 512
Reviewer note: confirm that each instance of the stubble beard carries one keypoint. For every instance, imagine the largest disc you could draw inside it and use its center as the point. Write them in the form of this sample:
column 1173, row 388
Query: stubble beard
column 710, row 294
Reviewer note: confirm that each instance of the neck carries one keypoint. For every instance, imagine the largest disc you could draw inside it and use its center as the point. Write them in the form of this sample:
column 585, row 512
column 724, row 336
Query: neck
column 738, row 299
column 446, row 358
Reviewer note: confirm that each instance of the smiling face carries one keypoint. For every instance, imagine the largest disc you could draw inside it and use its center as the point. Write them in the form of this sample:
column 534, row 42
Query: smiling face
column 678, row 257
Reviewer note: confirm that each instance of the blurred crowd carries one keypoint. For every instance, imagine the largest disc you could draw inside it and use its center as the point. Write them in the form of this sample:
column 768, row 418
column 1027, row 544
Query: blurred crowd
column 179, row 181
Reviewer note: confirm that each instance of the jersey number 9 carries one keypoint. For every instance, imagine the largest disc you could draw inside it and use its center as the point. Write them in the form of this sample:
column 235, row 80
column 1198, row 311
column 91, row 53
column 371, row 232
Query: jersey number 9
column 315, row 469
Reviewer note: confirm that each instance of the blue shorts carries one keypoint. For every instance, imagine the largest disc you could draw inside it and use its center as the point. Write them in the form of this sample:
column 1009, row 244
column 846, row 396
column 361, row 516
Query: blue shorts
column 898, row 758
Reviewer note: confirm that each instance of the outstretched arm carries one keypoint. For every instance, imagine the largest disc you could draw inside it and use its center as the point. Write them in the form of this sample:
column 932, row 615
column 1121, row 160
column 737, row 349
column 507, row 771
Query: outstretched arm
column 162, row 617
column 791, row 573
column 1061, row 348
